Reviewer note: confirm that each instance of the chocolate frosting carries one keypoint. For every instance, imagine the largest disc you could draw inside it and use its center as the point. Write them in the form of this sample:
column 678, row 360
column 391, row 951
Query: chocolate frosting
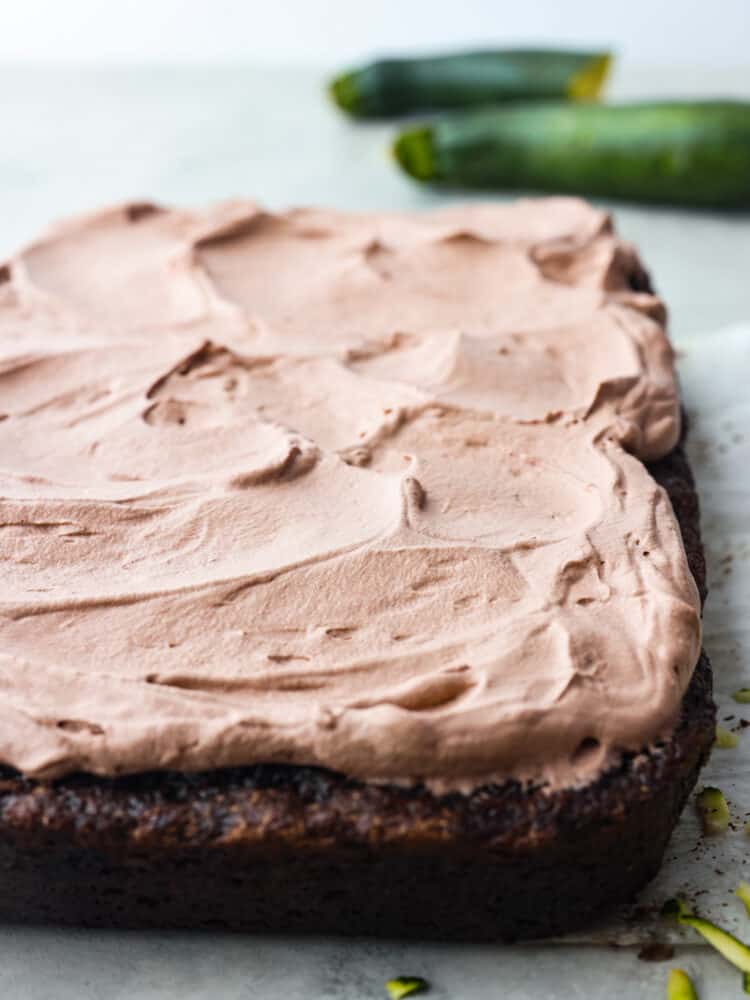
column 361, row 491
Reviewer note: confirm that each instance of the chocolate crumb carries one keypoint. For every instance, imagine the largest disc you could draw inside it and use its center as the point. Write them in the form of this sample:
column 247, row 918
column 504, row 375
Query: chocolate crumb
column 656, row 951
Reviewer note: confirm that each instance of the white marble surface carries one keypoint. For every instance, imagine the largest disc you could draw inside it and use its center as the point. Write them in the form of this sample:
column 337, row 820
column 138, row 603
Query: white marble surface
column 72, row 140
column 84, row 965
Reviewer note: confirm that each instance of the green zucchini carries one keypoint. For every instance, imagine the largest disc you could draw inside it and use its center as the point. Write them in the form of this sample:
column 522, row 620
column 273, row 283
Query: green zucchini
column 467, row 79
column 681, row 153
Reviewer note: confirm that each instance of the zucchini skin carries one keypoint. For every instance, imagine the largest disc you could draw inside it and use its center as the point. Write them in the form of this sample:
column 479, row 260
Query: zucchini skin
column 398, row 86
column 694, row 154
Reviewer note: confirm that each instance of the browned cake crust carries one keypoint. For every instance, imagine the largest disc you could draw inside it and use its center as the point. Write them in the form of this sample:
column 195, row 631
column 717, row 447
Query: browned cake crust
column 299, row 849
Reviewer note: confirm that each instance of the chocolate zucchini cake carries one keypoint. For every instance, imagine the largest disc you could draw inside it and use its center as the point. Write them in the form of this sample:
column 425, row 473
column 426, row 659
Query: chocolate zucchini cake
column 352, row 572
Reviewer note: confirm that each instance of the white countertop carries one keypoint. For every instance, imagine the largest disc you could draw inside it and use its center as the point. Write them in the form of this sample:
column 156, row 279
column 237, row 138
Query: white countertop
column 73, row 140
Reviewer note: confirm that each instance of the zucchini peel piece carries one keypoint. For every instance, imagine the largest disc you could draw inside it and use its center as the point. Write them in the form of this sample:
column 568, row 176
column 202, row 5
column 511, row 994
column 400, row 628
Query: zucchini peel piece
column 742, row 696
column 732, row 949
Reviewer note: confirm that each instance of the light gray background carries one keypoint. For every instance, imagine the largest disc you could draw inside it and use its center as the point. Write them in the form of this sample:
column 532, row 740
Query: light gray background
column 647, row 32
column 73, row 139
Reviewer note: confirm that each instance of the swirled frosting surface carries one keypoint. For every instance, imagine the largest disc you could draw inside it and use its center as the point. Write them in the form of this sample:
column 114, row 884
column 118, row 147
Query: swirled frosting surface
column 360, row 491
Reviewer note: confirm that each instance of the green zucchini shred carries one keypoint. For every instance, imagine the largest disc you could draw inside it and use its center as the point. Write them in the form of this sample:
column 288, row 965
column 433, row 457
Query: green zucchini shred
column 733, row 950
column 727, row 945
column 405, row 986
column 725, row 739
column 680, row 986
column 743, row 892
column 713, row 810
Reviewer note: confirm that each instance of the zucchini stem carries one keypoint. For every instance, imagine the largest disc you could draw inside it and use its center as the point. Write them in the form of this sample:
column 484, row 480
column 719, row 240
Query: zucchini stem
column 588, row 83
column 413, row 151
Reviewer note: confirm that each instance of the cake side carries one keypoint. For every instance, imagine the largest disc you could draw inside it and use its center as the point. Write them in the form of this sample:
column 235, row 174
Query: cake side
column 275, row 848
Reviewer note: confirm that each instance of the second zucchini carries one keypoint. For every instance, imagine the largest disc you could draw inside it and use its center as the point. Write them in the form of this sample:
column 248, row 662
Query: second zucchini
column 682, row 153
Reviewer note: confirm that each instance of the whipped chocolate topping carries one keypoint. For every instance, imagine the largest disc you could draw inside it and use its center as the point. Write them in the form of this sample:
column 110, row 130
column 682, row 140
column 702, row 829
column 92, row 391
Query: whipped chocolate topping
column 361, row 491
